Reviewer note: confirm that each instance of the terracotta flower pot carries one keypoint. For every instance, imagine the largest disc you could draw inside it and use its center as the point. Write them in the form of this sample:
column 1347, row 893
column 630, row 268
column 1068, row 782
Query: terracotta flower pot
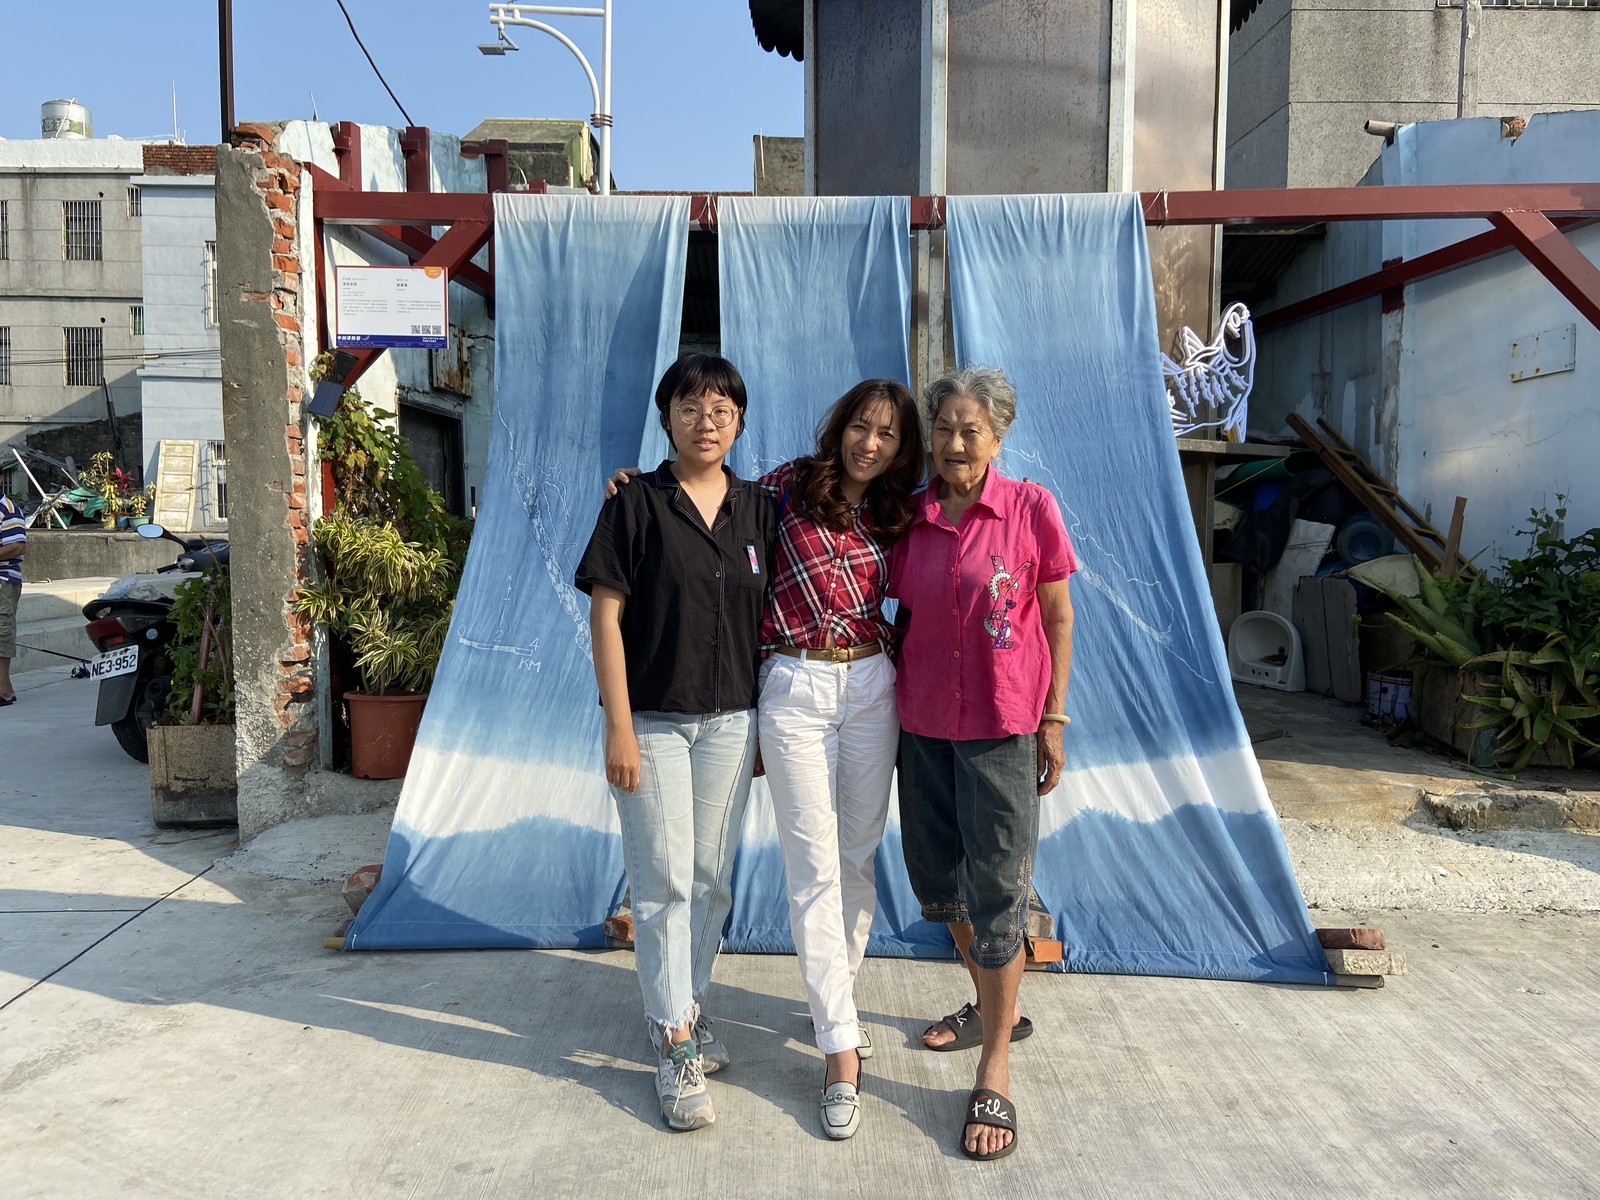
column 382, row 731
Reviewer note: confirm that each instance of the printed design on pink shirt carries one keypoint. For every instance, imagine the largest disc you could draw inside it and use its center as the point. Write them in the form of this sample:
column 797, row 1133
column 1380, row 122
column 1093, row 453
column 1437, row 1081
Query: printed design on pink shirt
column 1004, row 587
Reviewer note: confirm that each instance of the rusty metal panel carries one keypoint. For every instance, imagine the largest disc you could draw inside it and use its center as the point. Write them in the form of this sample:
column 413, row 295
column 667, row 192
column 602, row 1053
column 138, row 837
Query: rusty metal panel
column 1028, row 96
column 1174, row 144
column 868, row 63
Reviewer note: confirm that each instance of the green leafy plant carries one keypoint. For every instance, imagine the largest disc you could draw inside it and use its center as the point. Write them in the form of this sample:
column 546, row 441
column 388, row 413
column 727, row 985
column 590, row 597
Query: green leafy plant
column 118, row 497
column 374, row 475
column 188, row 613
column 1528, row 637
column 391, row 553
column 390, row 599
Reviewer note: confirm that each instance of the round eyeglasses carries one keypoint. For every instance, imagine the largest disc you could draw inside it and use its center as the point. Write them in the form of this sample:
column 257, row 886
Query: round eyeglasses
column 690, row 415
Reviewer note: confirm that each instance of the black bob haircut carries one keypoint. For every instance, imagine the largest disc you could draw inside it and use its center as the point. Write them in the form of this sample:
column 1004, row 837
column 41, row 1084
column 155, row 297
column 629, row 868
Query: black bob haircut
column 692, row 376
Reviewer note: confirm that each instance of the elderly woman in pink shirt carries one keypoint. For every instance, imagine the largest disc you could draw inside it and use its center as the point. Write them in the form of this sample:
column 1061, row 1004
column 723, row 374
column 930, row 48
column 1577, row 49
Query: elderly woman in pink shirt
column 981, row 578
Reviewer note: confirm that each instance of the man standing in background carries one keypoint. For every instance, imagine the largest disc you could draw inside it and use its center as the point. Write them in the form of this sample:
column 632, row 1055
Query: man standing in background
column 13, row 543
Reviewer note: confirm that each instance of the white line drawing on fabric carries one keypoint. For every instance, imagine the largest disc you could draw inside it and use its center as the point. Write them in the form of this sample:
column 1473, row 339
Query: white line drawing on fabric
column 538, row 498
column 1082, row 538
column 524, row 652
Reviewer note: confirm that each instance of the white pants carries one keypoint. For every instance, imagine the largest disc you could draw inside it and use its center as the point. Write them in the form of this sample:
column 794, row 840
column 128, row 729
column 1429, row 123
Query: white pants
column 829, row 732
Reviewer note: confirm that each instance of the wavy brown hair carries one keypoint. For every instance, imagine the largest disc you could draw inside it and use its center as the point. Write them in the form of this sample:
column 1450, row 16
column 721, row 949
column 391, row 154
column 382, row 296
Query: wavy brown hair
column 816, row 492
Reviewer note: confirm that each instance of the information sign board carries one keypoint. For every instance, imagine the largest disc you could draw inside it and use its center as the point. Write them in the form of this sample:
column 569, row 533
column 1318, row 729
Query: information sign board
column 392, row 306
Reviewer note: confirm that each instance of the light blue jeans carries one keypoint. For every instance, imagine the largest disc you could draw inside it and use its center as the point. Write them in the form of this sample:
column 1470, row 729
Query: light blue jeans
column 679, row 833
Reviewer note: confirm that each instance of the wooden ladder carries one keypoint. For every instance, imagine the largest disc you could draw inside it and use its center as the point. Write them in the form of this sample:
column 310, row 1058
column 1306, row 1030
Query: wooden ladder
column 1410, row 528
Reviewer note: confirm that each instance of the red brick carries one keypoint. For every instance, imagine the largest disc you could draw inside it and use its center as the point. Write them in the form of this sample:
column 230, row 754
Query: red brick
column 287, row 263
column 1351, row 939
column 285, row 321
column 279, row 201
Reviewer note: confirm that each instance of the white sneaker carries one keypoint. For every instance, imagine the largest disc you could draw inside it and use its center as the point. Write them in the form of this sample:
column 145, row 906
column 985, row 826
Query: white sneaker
column 841, row 1111
column 712, row 1051
column 681, row 1088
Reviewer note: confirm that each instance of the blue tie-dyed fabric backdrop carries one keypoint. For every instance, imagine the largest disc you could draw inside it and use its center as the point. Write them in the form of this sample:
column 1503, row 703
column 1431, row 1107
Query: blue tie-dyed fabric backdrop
column 1160, row 852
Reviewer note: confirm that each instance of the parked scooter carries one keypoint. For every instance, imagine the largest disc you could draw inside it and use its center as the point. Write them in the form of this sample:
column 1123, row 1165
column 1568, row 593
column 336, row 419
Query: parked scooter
column 129, row 625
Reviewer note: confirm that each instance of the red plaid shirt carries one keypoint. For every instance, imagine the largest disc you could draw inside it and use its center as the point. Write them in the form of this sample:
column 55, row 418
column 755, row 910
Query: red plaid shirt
column 827, row 587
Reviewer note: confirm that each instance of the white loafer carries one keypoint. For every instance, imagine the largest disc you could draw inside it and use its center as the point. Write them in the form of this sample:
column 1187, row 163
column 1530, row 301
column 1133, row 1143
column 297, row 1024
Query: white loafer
column 841, row 1111
column 864, row 1049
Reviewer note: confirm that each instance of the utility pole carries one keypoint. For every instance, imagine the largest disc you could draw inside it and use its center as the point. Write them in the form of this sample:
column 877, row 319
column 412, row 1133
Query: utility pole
column 225, row 66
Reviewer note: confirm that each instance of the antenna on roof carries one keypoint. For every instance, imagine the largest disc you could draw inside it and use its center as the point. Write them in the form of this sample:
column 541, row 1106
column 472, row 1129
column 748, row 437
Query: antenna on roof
column 314, row 116
column 176, row 137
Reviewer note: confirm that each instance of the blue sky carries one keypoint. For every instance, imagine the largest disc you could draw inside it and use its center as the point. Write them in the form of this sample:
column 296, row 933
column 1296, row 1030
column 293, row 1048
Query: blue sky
column 690, row 84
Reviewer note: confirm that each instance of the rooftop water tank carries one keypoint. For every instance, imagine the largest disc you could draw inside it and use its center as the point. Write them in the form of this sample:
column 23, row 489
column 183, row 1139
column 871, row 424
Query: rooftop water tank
column 65, row 119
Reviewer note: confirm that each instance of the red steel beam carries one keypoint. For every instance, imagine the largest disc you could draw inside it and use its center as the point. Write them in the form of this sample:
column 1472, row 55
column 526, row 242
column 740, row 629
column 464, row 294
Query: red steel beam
column 409, row 240
column 1289, row 206
column 403, row 208
column 347, row 149
column 416, row 146
column 1424, row 266
column 1557, row 259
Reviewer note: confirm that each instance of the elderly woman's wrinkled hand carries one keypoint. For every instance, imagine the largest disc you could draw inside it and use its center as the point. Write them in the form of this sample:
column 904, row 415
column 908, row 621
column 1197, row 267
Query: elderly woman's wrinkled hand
column 1052, row 756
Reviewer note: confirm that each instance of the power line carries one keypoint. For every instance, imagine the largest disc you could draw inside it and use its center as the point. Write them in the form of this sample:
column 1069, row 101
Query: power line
column 153, row 356
column 374, row 65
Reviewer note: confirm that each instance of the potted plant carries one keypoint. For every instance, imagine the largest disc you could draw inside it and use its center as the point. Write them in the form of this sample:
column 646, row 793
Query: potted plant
column 193, row 781
column 390, row 600
column 391, row 558
column 1510, row 668
column 110, row 492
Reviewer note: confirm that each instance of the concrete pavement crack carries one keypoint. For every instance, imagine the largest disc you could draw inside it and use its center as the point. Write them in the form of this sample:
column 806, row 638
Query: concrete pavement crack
column 120, row 926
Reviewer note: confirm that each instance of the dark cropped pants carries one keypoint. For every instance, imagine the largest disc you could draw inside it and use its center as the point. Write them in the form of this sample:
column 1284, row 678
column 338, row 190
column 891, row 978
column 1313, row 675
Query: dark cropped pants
column 969, row 821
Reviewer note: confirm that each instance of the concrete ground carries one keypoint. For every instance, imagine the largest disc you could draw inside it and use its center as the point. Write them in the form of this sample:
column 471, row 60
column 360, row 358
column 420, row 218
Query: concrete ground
column 170, row 1026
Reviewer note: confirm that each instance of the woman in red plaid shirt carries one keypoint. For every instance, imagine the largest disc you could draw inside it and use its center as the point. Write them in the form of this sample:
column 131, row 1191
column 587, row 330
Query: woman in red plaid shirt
column 828, row 719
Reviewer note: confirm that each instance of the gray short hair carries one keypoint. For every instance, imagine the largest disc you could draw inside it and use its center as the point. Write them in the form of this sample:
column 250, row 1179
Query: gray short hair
column 987, row 385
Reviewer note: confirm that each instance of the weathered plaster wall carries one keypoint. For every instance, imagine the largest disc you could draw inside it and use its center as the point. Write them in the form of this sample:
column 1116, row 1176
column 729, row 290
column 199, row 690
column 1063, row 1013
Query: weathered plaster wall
column 1305, row 74
column 263, row 389
column 1425, row 389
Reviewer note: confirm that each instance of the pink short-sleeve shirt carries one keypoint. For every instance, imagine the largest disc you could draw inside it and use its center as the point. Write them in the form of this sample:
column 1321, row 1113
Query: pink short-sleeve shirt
column 975, row 662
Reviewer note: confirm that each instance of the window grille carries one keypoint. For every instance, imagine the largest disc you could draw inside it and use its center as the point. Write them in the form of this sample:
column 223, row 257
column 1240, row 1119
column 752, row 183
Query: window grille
column 135, row 202
column 80, row 226
column 85, row 356
column 5, row 229
column 216, row 452
column 211, row 285
column 5, row 355
column 1591, row 4
column 136, row 320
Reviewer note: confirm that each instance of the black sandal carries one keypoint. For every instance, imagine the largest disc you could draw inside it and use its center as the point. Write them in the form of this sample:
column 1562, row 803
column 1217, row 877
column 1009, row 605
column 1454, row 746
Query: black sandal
column 967, row 1024
column 988, row 1107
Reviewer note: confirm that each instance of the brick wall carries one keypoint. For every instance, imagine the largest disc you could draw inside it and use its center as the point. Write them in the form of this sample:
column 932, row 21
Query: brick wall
column 180, row 160
column 83, row 441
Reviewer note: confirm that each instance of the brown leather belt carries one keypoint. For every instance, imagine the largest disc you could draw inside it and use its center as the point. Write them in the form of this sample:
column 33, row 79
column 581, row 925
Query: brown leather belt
column 837, row 654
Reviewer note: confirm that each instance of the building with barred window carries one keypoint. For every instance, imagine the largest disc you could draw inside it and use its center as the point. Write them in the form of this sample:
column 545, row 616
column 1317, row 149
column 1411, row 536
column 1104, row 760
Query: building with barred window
column 71, row 282
column 107, row 306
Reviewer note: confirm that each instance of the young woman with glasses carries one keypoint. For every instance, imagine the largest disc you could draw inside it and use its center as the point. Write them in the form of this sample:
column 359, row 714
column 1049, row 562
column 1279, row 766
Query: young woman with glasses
column 677, row 572
column 829, row 727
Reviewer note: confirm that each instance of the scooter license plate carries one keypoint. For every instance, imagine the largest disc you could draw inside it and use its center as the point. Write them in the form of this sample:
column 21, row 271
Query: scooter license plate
column 114, row 662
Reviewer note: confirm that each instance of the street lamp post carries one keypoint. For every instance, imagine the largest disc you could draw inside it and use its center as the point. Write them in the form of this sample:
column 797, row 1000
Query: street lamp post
column 523, row 16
